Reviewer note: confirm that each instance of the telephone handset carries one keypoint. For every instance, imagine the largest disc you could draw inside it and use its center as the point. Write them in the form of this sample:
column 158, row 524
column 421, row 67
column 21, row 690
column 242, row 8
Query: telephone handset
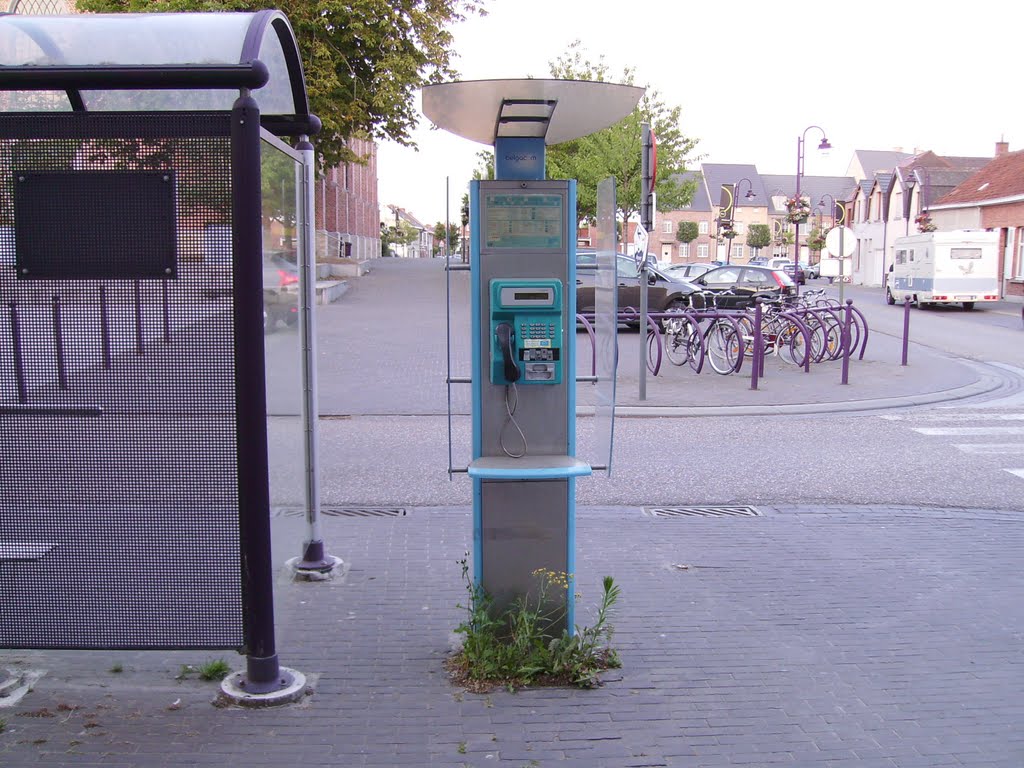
column 506, row 337
column 526, row 334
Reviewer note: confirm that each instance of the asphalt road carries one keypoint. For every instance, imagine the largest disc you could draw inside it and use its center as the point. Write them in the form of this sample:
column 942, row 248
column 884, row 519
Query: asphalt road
column 385, row 439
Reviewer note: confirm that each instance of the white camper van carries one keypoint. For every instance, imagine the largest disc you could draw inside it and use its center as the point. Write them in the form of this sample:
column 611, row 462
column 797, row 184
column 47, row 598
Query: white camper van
column 958, row 267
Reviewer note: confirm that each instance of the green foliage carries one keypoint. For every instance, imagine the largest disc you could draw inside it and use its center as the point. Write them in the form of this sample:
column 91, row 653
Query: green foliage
column 211, row 670
column 616, row 151
column 363, row 59
column 3, row 726
column 214, row 670
column 759, row 236
column 117, row 669
column 439, row 240
column 687, row 231
column 816, row 239
column 515, row 648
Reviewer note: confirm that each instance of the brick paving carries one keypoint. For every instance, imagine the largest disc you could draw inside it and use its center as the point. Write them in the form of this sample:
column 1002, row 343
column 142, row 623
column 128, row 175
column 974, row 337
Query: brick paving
column 809, row 636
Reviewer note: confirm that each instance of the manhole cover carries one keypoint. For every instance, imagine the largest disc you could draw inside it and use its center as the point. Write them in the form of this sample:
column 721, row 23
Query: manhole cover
column 364, row 512
column 347, row 512
column 702, row 512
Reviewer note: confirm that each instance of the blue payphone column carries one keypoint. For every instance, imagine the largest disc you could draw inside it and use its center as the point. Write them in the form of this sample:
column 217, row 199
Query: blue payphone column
column 524, row 394
column 523, row 266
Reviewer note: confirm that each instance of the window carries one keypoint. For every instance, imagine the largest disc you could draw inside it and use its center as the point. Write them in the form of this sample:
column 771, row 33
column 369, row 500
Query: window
column 684, row 250
column 910, row 254
column 702, row 228
column 901, row 257
column 736, row 252
column 1020, row 252
column 965, row 253
column 738, row 226
column 666, row 227
column 755, row 277
column 702, row 251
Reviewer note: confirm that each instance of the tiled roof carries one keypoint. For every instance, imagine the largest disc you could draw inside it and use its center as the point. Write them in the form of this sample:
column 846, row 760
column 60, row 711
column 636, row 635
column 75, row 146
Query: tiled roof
column 717, row 174
column 700, row 200
column 1001, row 177
column 872, row 160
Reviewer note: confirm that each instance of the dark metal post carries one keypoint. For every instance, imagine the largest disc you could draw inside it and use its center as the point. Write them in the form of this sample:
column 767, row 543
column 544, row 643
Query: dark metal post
column 140, row 344
column 796, row 224
column 846, row 342
column 906, row 328
column 755, row 360
column 105, row 328
column 167, row 312
column 262, row 668
column 646, row 215
column 58, row 343
column 19, row 360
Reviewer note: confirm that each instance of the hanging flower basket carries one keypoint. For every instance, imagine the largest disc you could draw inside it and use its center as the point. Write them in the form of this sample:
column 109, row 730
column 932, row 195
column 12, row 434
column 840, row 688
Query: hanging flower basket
column 924, row 223
column 797, row 209
column 727, row 232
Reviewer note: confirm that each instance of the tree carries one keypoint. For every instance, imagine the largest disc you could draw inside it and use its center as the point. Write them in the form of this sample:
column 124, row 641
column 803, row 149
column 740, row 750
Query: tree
column 363, row 59
column 759, row 236
column 439, row 238
column 403, row 233
column 615, row 151
column 816, row 239
column 687, row 232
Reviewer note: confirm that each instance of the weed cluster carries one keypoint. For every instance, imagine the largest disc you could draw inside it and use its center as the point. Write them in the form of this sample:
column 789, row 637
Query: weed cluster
column 515, row 648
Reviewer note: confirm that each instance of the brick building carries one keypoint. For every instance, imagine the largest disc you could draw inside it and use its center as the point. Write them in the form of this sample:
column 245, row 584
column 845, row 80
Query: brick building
column 347, row 211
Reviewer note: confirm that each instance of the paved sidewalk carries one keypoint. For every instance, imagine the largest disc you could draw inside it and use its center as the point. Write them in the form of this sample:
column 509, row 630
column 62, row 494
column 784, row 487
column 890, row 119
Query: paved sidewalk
column 855, row 637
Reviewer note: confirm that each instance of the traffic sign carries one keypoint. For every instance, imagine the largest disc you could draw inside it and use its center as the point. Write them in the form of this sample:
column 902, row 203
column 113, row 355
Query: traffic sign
column 640, row 238
column 843, row 235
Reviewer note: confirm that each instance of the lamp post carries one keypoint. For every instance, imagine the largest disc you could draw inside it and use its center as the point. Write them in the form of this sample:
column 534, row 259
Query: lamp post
column 823, row 146
column 726, row 216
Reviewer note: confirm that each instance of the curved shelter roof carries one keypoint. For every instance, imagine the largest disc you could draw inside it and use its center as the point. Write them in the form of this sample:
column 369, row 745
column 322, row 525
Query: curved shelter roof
column 151, row 62
column 555, row 110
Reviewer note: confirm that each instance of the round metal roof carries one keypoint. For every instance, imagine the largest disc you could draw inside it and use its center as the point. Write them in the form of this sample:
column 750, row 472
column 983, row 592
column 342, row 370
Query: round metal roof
column 151, row 42
column 557, row 110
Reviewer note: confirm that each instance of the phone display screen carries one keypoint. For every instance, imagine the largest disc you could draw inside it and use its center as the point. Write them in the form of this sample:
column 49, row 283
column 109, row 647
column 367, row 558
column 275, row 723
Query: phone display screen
column 523, row 220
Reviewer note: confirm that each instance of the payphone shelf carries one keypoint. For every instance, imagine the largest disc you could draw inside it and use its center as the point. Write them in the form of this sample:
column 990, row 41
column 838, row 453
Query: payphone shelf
column 528, row 468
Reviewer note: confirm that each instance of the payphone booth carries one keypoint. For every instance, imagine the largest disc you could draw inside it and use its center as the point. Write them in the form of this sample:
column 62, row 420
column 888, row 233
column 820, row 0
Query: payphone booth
column 523, row 278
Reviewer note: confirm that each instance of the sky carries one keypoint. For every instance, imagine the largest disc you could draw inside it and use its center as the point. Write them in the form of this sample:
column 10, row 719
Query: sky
column 750, row 76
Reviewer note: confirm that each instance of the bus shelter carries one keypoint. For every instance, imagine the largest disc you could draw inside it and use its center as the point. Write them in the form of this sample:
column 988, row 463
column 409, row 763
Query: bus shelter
column 156, row 386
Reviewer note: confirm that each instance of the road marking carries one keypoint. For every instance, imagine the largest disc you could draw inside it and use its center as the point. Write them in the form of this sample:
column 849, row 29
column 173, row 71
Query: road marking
column 1018, row 472
column 990, row 448
column 956, row 417
column 969, row 430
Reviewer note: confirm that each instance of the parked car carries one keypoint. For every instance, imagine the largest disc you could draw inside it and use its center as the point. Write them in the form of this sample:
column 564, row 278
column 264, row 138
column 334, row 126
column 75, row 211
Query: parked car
column 813, row 271
column 795, row 272
column 664, row 293
column 688, row 271
column 738, row 285
column 280, row 290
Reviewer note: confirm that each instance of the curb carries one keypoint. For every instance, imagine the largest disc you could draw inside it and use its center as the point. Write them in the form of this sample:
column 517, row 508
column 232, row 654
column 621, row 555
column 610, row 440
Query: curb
column 981, row 387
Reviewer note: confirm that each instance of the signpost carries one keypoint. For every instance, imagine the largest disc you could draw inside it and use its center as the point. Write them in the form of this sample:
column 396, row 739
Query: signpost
column 840, row 242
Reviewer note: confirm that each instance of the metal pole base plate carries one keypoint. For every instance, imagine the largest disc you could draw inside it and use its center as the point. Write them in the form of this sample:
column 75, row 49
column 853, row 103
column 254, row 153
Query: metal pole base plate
column 290, row 686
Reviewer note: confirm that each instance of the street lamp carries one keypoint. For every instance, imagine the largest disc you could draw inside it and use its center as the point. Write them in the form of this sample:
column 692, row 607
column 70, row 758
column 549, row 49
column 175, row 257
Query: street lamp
column 726, row 217
column 823, row 146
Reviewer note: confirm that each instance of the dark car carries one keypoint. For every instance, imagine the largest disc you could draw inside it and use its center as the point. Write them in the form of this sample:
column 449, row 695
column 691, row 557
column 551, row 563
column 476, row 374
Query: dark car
column 664, row 293
column 688, row 271
column 738, row 285
column 800, row 276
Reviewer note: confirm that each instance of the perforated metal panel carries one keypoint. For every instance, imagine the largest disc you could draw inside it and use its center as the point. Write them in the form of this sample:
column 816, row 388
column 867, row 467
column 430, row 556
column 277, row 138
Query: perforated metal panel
column 119, row 519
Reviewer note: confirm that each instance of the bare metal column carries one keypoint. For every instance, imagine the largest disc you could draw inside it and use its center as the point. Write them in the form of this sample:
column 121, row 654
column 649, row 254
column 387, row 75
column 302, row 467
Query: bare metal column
column 314, row 558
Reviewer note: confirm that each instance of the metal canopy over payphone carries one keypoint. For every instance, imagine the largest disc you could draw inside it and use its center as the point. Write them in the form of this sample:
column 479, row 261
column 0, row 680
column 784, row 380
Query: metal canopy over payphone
column 523, row 275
